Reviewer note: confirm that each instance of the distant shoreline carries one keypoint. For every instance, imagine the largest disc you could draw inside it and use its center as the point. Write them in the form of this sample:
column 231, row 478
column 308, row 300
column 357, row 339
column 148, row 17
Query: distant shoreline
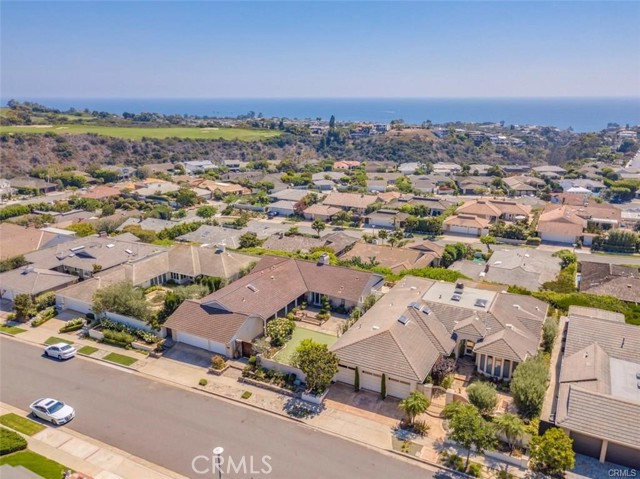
column 582, row 114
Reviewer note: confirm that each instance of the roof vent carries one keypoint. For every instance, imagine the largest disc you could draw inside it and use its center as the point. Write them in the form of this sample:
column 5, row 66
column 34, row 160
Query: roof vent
column 481, row 303
column 76, row 248
column 110, row 245
column 403, row 319
column 375, row 328
column 456, row 297
column 128, row 251
column 252, row 288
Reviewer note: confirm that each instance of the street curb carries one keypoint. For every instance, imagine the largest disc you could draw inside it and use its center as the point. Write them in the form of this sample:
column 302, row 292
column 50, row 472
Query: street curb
column 269, row 411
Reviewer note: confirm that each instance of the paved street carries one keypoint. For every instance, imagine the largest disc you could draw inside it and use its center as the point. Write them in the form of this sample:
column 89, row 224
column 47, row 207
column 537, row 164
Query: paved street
column 170, row 426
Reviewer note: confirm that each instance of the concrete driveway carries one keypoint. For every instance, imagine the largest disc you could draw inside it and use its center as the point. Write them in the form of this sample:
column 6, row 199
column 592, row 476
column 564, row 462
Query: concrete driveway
column 189, row 354
column 364, row 403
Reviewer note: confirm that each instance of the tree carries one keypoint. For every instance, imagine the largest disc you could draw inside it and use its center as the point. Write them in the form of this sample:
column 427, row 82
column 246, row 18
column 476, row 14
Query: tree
column 122, row 298
column 206, row 211
column 528, row 386
column 82, row 229
column 332, row 122
column 318, row 225
column 107, row 210
column 487, row 241
column 383, row 235
column 280, row 331
column 441, row 369
column 468, row 429
column 23, row 306
column 318, row 364
column 414, row 404
column 549, row 333
column 511, row 426
column 356, row 380
column 483, row 396
column 186, row 197
column 552, row 453
column 383, row 386
column 249, row 240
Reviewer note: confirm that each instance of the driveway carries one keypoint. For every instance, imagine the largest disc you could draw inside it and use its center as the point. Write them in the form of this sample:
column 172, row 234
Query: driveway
column 189, row 354
column 364, row 403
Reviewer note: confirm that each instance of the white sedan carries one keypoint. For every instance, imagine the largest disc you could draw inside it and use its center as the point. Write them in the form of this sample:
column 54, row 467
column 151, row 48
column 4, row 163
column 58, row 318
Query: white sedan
column 52, row 410
column 60, row 351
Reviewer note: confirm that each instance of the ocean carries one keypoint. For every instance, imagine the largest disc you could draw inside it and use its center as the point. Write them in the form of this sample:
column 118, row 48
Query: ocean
column 581, row 114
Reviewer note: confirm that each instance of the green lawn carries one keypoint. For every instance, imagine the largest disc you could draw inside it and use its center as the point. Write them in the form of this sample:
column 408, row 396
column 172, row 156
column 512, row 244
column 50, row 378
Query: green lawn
column 21, row 424
column 120, row 359
column 135, row 133
column 34, row 462
column 13, row 330
column 55, row 340
column 284, row 355
column 88, row 350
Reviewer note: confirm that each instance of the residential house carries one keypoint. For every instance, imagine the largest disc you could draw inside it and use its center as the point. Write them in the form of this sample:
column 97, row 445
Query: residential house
column 26, row 183
column 479, row 169
column 592, row 186
column 549, row 171
column 377, row 186
column 396, row 259
column 334, row 176
column 409, row 168
column 321, row 212
column 436, row 206
column 5, row 188
column 384, row 218
column 227, row 320
column 160, row 167
column 154, row 188
column 560, row 225
column 466, row 225
column 324, row 185
column 607, row 279
column 213, row 235
column 420, row 321
column 597, row 399
column 346, row 165
column 528, row 268
column 289, row 194
column 18, row 240
column 220, row 188
column 283, row 208
column 292, row 243
column 473, row 185
column 151, row 224
column 232, row 165
column 198, row 166
column 32, row 281
column 495, row 209
column 446, row 169
column 354, row 202
column 523, row 185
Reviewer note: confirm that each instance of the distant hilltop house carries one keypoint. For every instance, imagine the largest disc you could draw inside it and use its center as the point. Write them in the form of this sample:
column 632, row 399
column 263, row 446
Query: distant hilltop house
column 24, row 183
column 198, row 166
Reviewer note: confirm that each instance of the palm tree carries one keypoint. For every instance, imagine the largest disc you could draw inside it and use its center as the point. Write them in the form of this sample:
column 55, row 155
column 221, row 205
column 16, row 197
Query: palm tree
column 414, row 404
column 511, row 426
column 318, row 225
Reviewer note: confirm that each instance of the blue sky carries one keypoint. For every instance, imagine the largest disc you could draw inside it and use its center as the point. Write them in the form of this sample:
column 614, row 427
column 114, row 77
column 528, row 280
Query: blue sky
column 329, row 49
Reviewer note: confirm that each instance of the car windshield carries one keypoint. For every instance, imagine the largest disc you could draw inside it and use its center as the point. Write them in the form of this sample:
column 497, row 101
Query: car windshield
column 66, row 347
column 56, row 407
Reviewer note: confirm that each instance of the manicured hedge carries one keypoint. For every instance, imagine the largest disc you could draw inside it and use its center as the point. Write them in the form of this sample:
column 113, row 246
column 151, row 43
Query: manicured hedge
column 11, row 441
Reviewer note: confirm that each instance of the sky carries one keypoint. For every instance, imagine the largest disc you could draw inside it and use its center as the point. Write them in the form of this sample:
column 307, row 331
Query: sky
column 206, row 49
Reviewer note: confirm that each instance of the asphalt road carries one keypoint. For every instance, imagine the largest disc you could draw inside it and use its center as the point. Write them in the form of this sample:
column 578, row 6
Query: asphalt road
column 169, row 426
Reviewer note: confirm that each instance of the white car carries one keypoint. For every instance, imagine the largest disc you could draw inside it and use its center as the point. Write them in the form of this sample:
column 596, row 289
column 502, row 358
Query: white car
column 60, row 351
column 52, row 410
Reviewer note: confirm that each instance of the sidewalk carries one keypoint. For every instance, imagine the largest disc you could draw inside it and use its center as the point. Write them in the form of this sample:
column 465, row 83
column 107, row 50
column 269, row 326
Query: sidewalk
column 88, row 456
column 332, row 417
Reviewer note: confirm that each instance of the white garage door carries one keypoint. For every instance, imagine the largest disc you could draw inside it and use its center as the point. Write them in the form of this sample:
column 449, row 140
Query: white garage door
column 557, row 238
column 465, row 230
column 370, row 381
column 202, row 343
column 346, row 374
column 71, row 303
column 398, row 388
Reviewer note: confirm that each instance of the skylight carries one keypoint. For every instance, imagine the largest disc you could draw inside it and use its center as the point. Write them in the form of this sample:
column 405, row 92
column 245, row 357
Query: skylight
column 403, row 320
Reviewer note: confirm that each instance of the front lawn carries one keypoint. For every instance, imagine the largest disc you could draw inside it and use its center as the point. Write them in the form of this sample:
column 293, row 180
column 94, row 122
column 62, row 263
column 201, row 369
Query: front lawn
column 299, row 334
column 34, row 462
column 12, row 330
column 87, row 350
column 21, row 424
column 120, row 359
column 54, row 340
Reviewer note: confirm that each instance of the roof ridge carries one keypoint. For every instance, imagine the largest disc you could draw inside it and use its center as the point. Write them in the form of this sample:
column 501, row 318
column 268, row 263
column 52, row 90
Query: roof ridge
column 409, row 362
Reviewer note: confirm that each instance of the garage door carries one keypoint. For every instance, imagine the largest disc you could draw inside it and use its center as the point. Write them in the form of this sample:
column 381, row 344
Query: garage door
column 202, row 343
column 72, row 303
column 557, row 238
column 624, row 456
column 346, row 374
column 370, row 381
column 398, row 388
column 589, row 446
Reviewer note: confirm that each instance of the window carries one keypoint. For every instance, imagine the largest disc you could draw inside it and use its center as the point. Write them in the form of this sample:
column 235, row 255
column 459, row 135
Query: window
column 489, row 364
column 496, row 371
column 506, row 369
column 482, row 362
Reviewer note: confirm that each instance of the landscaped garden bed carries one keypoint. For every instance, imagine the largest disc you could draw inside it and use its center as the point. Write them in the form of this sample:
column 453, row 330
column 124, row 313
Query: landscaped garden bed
column 218, row 365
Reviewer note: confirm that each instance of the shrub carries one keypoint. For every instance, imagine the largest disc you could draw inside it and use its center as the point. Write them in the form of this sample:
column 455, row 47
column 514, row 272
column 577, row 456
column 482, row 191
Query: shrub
column 280, row 330
column 552, row 453
column 11, row 441
column 118, row 336
column 549, row 333
column 203, row 382
column 533, row 240
column 246, row 395
column 474, row 470
column 45, row 300
column 443, row 368
column 218, row 363
column 483, row 396
column 529, row 385
column 44, row 316
column 454, row 461
column 73, row 325
column 447, row 381
column 421, row 428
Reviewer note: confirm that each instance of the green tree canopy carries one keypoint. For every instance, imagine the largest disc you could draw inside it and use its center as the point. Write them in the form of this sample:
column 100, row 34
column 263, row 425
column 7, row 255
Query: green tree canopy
column 483, row 396
column 318, row 364
column 414, row 404
column 552, row 453
column 469, row 429
column 122, row 298
column 529, row 385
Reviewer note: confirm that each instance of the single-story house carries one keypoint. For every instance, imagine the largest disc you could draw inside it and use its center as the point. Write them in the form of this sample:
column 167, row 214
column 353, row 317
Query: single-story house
column 289, row 194
column 384, row 218
column 283, row 208
column 198, row 166
column 396, row 259
column 324, row 185
column 357, row 203
column 33, row 281
column 321, row 212
column 377, row 186
column 272, row 289
column 598, row 398
column 18, row 240
column 36, row 184
column 466, row 225
column 607, row 279
column 420, row 321
column 560, row 225
column 101, row 192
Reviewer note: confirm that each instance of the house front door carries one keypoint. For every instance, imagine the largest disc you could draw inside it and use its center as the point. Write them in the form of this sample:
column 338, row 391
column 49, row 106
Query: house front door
column 468, row 348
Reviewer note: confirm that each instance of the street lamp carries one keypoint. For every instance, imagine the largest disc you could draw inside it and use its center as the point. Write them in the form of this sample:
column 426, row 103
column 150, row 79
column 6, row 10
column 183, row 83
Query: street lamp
column 218, row 452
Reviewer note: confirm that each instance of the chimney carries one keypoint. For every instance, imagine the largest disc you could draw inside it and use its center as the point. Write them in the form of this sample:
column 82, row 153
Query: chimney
column 324, row 259
column 102, row 234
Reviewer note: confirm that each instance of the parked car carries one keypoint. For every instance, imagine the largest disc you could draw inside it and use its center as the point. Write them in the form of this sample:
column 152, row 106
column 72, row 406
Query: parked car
column 52, row 410
column 60, row 351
